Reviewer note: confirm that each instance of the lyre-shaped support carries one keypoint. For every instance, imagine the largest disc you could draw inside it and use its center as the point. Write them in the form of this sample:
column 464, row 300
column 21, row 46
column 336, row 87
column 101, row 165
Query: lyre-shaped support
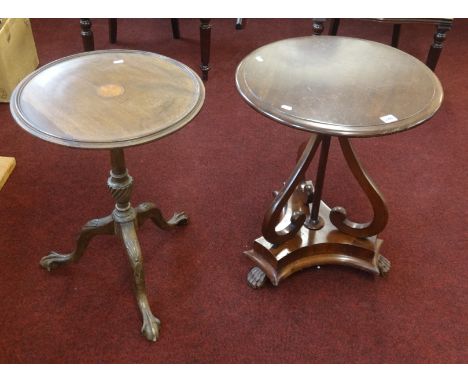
column 273, row 215
column 338, row 215
column 317, row 240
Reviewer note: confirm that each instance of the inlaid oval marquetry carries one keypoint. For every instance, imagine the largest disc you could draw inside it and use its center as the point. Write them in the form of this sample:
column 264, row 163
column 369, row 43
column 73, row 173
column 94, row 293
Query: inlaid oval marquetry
column 110, row 90
column 107, row 99
column 339, row 86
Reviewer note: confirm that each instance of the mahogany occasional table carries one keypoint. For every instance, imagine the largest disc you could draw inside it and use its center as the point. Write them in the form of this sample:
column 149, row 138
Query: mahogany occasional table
column 111, row 99
column 331, row 87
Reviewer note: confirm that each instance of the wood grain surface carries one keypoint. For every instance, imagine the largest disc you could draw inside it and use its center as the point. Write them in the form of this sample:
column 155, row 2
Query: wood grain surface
column 339, row 86
column 107, row 99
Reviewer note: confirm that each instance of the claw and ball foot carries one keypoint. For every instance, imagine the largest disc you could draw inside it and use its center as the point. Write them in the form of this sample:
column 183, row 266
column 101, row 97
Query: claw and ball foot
column 150, row 328
column 90, row 229
column 54, row 259
column 256, row 278
column 149, row 210
column 384, row 265
column 178, row 219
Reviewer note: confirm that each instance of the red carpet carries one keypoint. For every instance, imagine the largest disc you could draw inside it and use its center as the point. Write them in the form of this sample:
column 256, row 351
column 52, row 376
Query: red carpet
column 221, row 170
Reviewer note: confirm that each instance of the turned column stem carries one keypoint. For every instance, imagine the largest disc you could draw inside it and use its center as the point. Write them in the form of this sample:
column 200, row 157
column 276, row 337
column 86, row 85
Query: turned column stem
column 314, row 221
column 119, row 182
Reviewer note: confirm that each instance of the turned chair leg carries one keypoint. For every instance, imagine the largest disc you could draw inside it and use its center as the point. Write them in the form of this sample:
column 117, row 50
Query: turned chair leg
column 112, row 31
column 205, row 43
column 317, row 26
column 396, row 35
column 438, row 44
column 87, row 34
column 175, row 28
column 335, row 24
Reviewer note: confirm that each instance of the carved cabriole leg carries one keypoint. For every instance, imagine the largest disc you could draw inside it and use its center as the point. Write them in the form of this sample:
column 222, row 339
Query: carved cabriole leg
column 437, row 45
column 124, row 222
column 149, row 210
column 205, row 44
column 87, row 34
column 150, row 327
column 89, row 230
column 120, row 185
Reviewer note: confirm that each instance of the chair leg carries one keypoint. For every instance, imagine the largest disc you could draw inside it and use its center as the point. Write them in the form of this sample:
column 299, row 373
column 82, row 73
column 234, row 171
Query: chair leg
column 396, row 35
column 239, row 24
column 317, row 26
column 205, row 43
column 175, row 28
column 335, row 24
column 112, row 31
column 87, row 34
column 438, row 43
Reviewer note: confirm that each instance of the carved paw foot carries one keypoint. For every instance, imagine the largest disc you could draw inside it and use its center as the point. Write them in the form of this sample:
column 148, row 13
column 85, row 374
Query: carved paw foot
column 54, row 259
column 179, row 218
column 384, row 265
column 150, row 327
column 256, row 278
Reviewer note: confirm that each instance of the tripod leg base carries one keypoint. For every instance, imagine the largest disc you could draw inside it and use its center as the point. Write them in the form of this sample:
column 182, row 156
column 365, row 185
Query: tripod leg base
column 92, row 228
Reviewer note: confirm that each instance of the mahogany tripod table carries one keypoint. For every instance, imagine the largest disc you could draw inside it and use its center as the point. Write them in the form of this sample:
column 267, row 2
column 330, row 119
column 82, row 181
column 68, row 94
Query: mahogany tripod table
column 111, row 99
column 331, row 87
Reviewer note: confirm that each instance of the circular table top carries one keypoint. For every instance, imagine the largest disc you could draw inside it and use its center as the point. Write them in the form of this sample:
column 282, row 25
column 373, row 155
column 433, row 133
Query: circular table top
column 107, row 99
column 339, row 86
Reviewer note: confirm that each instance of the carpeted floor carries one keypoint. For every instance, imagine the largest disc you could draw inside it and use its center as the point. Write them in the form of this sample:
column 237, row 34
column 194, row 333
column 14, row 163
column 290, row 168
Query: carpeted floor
column 221, row 170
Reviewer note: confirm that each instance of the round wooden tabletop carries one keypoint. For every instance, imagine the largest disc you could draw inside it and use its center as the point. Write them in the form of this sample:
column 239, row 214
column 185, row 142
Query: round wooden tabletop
column 339, row 86
column 107, row 99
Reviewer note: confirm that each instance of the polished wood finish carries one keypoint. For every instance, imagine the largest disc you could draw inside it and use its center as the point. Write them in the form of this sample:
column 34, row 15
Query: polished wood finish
column 275, row 212
column 107, row 99
column 111, row 99
column 123, row 222
column 442, row 27
column 205, row 44
column 302, row 82
column 313, row 84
